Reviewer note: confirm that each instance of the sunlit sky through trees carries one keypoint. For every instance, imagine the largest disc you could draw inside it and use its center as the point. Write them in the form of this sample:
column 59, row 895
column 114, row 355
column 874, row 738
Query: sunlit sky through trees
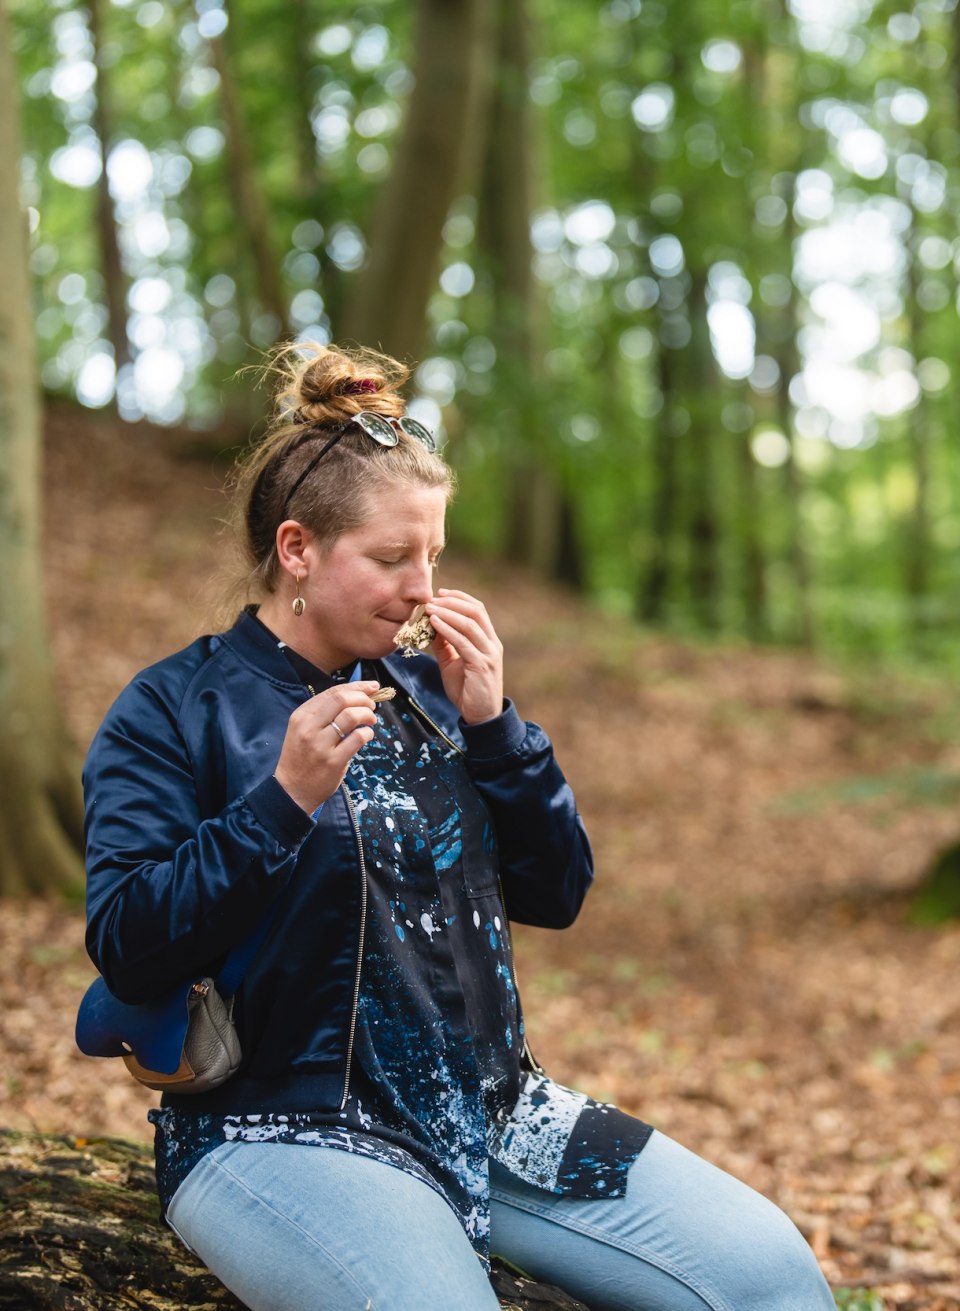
column 743, row 219
column 849, row 260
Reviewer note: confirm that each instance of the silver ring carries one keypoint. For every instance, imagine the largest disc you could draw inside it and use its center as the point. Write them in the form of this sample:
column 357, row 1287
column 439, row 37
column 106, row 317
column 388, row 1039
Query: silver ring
column 337, row 729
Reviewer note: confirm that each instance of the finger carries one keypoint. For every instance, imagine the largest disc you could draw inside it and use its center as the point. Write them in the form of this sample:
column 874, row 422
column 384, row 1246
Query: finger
column 350, row 718
column 462, row 603
column 464, row 632
column 348, row 746
column 458, row 601
column 334, row 699
column 466, row 605
column 343, row 752
column 455, row 628
column 443, row 649
column 353, row 693
column 463, row 600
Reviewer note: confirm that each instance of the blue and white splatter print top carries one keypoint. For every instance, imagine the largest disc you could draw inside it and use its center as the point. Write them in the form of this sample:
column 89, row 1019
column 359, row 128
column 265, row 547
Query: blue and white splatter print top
column 436, row 1085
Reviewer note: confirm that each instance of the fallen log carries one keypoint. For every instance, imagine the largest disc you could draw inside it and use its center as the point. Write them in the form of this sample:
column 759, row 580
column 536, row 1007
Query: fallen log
column 80, row 1230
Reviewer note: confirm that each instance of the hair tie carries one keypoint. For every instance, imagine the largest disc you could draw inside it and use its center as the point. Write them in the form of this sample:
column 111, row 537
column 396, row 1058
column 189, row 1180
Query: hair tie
column 352, row 387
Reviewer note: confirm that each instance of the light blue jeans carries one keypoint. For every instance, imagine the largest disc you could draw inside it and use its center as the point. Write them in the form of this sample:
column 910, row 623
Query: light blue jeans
column 298, row 1228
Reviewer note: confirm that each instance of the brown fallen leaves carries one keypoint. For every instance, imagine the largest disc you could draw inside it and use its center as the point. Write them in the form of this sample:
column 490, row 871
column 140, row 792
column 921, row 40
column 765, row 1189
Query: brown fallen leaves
column 743, row 975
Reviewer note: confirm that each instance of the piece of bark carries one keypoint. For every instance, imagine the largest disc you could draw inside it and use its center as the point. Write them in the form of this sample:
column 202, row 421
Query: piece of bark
column 80, row 1230
column 519, row 1293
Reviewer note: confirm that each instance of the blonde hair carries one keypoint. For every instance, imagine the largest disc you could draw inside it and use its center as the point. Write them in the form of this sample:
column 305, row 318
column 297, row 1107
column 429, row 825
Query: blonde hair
column 320, row 388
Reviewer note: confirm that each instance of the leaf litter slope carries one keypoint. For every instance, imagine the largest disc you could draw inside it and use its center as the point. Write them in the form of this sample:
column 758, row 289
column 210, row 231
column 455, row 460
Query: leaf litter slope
column 742, row 975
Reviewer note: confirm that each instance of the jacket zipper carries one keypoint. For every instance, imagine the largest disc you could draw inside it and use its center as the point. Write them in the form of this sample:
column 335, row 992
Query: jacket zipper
column 526, row 1052
column 363, row 928
column 435, row 726
column 355, row 1007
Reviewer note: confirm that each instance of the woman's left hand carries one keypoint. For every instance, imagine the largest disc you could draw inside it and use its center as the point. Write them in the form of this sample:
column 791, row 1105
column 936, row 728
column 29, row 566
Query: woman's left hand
column 469, row 653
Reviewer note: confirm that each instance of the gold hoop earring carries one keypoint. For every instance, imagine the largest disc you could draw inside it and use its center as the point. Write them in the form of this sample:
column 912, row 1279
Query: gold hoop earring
column 298, row 603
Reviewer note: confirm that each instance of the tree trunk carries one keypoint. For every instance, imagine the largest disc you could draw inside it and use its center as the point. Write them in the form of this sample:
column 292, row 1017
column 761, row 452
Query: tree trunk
column 779, row 328
column 788, row 362
column 541, row 517
column 388, row 307
column 80, row 1231
column 40, row 805
column 315, row 197
column 750, row 525
column 111, row 262
column 753, row 585
column 919, row 430
column 301, row 57
column 786, row 358
column 955, row 57
column 250, row 206
column 506, row 188
column 568, row 557
column 703, row 529
column 656, row 580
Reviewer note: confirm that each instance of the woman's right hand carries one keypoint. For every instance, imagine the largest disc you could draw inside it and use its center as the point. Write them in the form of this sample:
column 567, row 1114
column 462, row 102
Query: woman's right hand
column 322, row 737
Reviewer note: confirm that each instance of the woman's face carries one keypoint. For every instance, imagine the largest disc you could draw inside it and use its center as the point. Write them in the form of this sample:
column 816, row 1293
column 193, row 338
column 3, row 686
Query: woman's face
column 359, row 591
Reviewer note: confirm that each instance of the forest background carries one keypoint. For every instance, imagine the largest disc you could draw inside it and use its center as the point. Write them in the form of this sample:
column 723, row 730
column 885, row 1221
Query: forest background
column 681, row 286
column 681, row 279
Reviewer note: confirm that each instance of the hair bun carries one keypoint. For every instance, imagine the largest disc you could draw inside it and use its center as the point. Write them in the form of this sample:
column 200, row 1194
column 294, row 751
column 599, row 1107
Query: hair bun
column 320, row 384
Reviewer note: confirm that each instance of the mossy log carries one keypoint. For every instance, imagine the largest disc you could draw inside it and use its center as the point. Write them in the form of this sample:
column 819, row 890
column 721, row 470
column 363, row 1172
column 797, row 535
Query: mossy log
column 80, row 1231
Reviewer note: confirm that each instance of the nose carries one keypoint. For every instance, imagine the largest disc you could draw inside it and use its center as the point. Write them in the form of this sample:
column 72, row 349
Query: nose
column 418, row 584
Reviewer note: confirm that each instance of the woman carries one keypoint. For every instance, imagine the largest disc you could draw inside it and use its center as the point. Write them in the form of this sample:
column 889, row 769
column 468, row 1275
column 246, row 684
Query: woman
column 388, row 1126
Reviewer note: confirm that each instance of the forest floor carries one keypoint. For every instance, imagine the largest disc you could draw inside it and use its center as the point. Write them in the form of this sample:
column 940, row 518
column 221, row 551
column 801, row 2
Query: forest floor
column 744, row 974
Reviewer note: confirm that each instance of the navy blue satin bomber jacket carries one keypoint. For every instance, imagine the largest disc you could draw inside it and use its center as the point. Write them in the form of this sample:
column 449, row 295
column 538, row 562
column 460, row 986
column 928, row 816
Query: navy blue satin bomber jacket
column 190, row 841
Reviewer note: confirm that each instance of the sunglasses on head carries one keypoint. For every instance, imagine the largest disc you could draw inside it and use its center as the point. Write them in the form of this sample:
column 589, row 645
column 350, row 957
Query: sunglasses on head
column 381, row 429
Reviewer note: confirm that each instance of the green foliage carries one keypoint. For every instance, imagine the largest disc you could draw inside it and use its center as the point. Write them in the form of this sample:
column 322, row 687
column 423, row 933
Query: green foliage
column 938, row 898
column 911, row 787
column 858, row 1299
column 744, row 278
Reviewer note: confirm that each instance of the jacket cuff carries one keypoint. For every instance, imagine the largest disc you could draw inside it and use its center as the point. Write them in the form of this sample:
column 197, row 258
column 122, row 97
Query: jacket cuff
column 492, row 738
column 277, row 811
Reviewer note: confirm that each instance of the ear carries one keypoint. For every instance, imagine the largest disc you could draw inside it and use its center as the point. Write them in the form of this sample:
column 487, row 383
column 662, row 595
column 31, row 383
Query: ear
column 296, row 548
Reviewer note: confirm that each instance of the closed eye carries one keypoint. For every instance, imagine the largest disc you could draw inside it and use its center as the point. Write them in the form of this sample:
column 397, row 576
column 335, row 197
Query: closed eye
column 393, row 562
